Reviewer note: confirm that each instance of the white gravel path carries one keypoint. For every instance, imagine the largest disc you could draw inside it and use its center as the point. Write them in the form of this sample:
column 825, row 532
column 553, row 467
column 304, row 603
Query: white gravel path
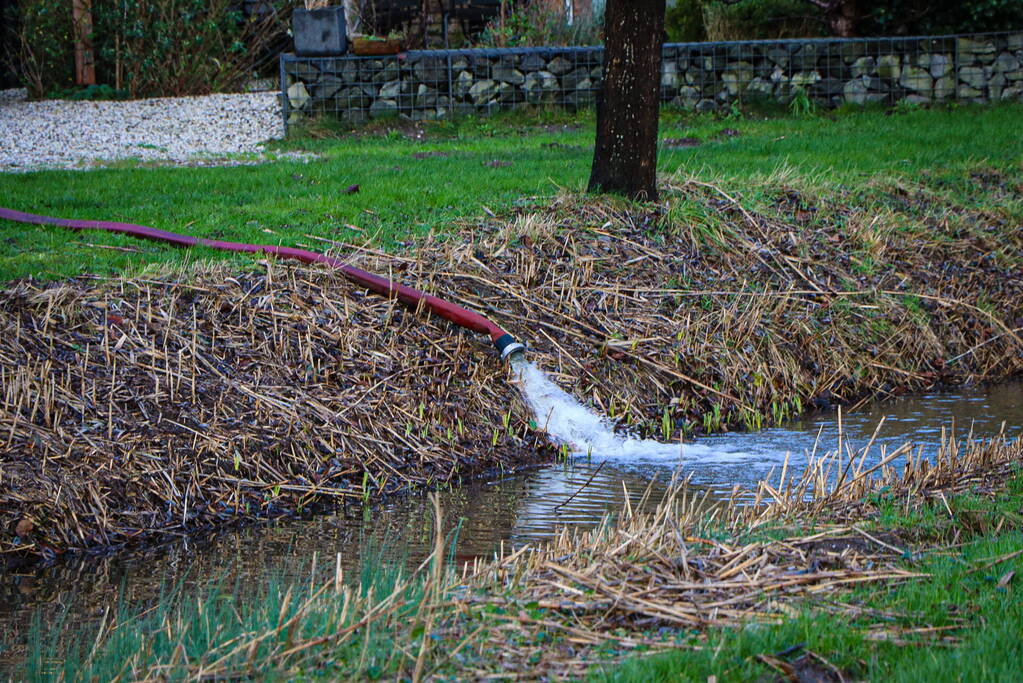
column 207, row 130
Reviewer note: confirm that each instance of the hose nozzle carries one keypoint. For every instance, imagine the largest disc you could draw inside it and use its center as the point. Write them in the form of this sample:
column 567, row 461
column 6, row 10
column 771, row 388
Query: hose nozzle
column 506, row 346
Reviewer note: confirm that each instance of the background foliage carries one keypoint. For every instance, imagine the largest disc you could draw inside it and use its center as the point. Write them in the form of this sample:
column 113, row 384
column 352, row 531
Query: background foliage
column 697, row 20
column 150, row 47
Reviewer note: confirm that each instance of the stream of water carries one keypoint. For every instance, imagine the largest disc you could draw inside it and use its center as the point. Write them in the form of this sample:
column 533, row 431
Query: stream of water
column 510, row 511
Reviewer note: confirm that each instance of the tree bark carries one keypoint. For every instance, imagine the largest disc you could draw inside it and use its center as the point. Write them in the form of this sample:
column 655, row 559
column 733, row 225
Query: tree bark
column 625, row 154
column 85, row 59
column 843, row 18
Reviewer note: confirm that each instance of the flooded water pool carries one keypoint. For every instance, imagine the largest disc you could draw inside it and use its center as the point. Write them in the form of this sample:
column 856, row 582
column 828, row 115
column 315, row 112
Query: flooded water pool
column 488, row 514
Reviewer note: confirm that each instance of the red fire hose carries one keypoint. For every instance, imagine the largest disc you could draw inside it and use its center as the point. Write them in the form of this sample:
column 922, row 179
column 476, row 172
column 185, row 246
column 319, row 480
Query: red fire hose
column 504, row 342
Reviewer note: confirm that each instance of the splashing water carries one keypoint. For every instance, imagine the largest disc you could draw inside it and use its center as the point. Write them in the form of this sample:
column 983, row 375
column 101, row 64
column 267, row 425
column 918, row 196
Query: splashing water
column 569, row 422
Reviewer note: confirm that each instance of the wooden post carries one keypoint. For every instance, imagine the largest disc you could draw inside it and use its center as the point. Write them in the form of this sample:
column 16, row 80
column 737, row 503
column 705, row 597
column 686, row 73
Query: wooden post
column 85, row 59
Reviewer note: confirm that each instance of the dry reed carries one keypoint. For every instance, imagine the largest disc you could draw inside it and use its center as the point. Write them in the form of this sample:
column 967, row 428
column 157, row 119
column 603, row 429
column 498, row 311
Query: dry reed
column 133, row 408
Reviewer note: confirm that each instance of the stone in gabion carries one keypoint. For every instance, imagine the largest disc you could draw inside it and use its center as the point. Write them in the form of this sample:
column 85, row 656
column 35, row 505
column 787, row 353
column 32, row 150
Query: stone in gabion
column 944, row 87
column 306, row 71
column 483, row 91
column 580, row 98
column 426, row 96
column 938, row 64
column 538, row 85
column 532, row 62
column 559, row 66
column 327, row 86
column 804, row 79
column 832, row 87
column 463, row 82
column 382, row 108
column 669, row 77
column 706, row 105
column 778, row 56
column 965, row 92
column 760, row 86
column 863, row 66
column 806, row 58
column 1006, row 62
column 737, row 77
column 851, row 51
column 390, row 70
column 995, row 86
column 391, row 89
column 978, row 50
column 687, row 97
column 917, row 79
column 508, row 93
column 298, row 96
column 889, row 66
column 481, row 67
column 571, row 81
column 972, row 76
column 855, row 91
column 349, row 71
column 1014, row 42
column 507, row 74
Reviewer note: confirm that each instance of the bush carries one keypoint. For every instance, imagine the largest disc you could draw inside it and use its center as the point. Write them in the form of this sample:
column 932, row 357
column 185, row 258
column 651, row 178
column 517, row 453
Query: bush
column 45, row 49
column 683, row 22
column 924, row 17
column 536, row 24
column 150, row 47
column 762, row 19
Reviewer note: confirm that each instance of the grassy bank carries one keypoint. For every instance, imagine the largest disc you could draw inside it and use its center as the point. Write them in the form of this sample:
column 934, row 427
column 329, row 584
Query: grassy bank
column 181, row 398
column 906, row 573
column 424, row 178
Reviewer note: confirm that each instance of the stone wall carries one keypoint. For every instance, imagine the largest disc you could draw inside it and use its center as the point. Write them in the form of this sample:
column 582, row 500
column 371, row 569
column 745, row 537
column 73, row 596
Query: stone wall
column 431, row 84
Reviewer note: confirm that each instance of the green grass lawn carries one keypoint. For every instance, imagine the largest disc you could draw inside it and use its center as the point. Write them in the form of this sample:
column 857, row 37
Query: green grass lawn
column 461, row 169
column 962, row 622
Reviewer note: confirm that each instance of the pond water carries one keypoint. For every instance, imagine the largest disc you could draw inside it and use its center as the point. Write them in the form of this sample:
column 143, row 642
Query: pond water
column 508, row 511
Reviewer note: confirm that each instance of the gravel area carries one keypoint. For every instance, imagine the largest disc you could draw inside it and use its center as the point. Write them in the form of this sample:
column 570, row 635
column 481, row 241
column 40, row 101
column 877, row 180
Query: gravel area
column 207, row 130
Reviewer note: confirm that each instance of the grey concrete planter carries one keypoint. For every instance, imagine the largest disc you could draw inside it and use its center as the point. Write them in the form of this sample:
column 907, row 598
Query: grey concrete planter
column 319, row 32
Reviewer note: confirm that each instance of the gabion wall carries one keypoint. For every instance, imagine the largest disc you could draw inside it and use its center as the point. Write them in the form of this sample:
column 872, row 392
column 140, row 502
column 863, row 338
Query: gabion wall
column 431, row 84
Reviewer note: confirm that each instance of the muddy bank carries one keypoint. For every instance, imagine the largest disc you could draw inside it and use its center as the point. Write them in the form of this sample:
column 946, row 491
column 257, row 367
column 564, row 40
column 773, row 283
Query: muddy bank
column 152, row 406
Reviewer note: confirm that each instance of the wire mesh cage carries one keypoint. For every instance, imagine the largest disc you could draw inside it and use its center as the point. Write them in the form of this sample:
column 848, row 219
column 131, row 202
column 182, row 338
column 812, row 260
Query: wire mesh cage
column 434, row 84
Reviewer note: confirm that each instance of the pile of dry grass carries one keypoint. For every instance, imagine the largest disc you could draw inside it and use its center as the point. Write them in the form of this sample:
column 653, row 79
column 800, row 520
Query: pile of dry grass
column 693, row 564
column 135, row 407
column 658, row 579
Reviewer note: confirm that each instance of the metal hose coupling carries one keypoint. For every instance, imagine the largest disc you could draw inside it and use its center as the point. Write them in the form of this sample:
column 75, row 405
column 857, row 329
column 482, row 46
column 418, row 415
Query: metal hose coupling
column 506, row 346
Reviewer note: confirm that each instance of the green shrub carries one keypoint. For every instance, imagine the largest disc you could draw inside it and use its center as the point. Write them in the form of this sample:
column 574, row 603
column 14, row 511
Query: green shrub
column 45, row 47
column 762, row 19
column 683, row 22
column 537, row 24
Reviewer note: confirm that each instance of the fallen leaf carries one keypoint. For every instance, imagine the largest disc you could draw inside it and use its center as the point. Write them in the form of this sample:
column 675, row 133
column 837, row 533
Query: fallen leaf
column 351, row 189
column 1006, row 578
column 24, row 527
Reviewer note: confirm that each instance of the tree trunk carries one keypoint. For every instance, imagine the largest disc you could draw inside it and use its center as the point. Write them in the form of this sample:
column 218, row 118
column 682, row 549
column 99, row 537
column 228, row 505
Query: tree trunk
column 85, row 60
column 625, row 154
column 842, row 18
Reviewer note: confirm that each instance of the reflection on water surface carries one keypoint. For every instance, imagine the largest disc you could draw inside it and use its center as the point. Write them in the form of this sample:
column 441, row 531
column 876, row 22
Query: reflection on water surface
column 514, row 510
